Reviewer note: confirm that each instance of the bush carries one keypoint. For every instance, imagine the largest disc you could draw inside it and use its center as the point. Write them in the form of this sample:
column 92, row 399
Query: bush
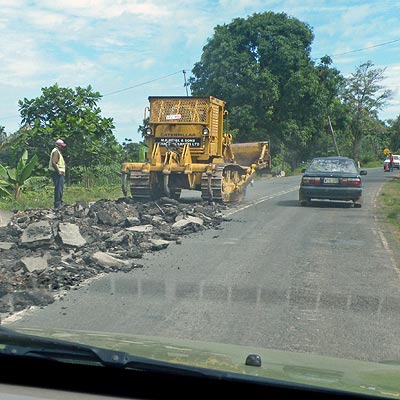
column 99, row 175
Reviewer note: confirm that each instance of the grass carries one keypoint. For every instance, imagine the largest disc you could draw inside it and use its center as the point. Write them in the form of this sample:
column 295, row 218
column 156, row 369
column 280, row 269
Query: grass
column 373, row 164
column 43, row 197
column 390, row 205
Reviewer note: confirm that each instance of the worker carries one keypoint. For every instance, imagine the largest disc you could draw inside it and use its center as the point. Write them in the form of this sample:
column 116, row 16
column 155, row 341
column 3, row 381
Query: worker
column 391, row 161
column 57, row 166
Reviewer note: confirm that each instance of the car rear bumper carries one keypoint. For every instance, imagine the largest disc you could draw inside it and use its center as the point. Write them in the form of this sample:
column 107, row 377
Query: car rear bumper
column 330, row 193
column 395, row 165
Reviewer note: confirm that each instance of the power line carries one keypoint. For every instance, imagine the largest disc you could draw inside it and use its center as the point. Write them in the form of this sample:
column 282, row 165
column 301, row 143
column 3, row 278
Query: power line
column 365, row 48
column 120, row 90
column 142, row 84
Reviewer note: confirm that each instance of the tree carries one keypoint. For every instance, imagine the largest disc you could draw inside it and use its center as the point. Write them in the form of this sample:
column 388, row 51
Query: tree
column 262, row 67
column 134, row 152
column 394, row 135
column 3, row 134
column 73, row 115
column 363, row 97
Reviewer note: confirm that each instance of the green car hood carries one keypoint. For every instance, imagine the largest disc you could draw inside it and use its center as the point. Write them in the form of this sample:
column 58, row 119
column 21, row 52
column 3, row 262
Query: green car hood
column 379, row 379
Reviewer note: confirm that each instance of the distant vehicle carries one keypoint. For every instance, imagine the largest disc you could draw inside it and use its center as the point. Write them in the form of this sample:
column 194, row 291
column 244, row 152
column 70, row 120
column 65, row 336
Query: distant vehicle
column 332, row 178
column 396, row 162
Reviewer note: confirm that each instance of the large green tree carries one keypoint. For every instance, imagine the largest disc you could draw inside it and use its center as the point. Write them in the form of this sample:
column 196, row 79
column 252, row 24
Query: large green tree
column 364, row 96
column 261, row 66
column 394, row 135
column 74, row 116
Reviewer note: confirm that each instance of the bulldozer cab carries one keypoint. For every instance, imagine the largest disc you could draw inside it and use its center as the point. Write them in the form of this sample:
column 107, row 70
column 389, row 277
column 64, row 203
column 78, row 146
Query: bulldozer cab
column 195, row 121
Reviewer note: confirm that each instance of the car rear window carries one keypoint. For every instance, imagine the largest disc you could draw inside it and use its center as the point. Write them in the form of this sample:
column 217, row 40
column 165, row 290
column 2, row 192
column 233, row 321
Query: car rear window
column 332, row 165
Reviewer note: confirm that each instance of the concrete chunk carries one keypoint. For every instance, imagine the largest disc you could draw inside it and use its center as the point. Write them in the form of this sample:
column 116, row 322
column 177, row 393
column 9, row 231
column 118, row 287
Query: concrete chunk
column 70, row 235
column 159, row 244
column 37, row 233
column 35, row 263
column 106, row 260
column 6, row 245
column 140, row 228
column 186, row 221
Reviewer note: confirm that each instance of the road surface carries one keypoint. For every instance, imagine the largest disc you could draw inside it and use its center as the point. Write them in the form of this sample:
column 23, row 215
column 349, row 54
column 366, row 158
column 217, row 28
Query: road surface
column 321, row 279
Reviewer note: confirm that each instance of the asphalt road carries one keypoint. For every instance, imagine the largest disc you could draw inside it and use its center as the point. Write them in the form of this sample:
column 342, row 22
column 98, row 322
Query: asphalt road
column 320, row 279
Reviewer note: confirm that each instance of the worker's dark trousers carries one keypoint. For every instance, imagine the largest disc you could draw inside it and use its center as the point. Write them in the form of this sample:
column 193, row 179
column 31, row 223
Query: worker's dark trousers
column 58, row 181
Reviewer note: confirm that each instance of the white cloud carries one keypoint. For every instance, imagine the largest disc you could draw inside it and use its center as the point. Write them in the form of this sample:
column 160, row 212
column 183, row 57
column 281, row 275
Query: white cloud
column 116, row 44
column 392, row 82
column 107, row 9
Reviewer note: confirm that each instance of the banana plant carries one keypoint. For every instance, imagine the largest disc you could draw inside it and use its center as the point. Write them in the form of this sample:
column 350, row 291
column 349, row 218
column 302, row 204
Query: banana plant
column 16, row 178
column 3, row 188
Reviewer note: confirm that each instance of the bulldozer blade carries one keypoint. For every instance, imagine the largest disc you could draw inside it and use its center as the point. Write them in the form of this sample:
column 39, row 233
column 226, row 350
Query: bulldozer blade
column 250, row 153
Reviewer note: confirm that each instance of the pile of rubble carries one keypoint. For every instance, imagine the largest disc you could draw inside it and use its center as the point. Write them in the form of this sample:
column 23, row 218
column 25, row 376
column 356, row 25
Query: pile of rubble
column 44, row 252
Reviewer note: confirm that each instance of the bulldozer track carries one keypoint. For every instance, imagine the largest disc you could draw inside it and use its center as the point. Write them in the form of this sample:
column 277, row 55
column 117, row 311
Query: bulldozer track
column 216, row 184
column 223, row 178
column 219, row 184
column 140, row 186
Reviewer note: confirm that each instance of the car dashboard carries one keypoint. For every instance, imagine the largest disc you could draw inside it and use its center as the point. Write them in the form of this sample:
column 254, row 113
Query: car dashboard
column 28, row 378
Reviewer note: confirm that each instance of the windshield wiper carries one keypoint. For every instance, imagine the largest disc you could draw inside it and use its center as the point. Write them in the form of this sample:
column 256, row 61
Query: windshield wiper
column 13, row 343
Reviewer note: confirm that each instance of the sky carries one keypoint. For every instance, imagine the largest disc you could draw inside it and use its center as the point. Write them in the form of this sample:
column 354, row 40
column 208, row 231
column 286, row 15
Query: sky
column 128, row 50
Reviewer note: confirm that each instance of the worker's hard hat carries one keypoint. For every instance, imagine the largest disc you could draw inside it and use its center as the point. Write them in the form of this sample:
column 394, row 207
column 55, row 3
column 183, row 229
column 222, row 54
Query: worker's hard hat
column 60, row 142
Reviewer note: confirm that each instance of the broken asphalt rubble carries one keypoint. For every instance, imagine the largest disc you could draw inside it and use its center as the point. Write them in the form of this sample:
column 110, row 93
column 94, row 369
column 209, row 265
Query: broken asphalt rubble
column 44, row 252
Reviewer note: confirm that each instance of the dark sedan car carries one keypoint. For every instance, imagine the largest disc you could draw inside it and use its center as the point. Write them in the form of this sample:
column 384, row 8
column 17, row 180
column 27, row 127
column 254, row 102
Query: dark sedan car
column 332, row 178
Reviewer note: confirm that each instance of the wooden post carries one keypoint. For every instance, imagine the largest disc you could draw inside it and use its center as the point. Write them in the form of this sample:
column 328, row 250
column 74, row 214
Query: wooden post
column 333, row 136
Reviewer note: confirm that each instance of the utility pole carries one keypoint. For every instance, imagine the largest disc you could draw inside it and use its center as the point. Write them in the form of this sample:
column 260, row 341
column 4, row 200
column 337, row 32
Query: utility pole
column 184, row 77
column 333, row 136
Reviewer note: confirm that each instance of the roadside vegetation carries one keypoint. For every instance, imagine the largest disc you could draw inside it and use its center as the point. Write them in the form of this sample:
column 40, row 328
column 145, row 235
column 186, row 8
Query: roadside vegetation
column 389, row 205
column 42, row 196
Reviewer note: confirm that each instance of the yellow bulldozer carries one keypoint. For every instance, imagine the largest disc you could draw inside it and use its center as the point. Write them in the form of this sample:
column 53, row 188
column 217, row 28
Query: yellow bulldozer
column 188, row 149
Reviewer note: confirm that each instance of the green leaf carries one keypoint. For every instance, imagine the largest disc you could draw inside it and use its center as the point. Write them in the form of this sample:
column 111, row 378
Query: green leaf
column 21, row 163
column 11, row 172
column 3, row 171
column 28, row 169
column 4, row 192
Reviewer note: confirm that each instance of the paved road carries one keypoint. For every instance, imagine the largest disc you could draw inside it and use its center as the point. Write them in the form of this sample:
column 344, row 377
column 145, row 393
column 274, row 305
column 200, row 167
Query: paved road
column 319, row 279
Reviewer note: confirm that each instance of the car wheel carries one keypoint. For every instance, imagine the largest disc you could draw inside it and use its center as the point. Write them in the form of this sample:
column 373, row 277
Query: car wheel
column 304, row 202
column 357, row 203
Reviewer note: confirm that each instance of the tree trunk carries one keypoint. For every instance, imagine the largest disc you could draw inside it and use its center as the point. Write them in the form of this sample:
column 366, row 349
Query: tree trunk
column 17, row 192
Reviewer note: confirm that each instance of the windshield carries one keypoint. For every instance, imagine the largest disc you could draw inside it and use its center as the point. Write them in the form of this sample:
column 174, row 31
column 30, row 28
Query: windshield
column 332, row 165
column 159, row 187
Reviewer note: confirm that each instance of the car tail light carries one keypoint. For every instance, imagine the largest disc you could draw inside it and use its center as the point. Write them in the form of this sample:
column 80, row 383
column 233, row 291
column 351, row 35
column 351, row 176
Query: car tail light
column 311, row 180
column 351, row 181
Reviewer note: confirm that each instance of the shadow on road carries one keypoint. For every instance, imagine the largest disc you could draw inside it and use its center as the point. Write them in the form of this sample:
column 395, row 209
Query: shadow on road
column 329, row 204
column 316, row 204
column 289, row 203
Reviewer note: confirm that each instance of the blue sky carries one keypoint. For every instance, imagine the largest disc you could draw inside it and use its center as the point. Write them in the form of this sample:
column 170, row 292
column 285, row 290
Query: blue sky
column 129, row 49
